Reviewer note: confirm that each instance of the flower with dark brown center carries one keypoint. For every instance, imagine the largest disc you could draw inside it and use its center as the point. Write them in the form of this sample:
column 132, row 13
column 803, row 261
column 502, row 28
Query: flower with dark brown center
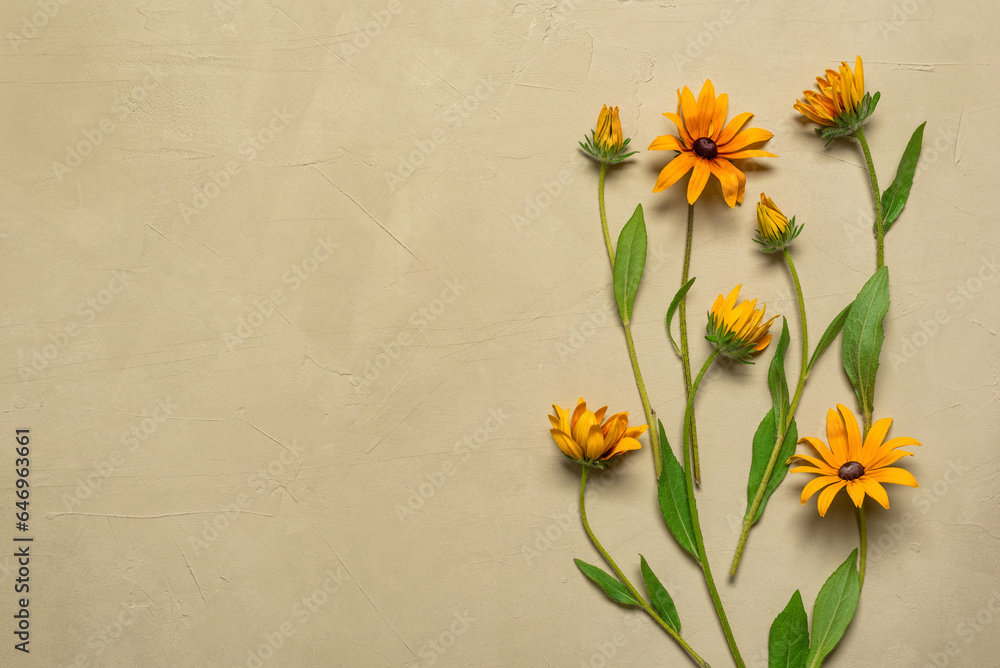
column 851, row 471
column 706, row 148
column 861, row 466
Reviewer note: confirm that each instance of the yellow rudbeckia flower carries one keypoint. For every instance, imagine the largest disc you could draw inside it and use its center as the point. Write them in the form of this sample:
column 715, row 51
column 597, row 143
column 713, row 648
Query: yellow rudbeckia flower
column 841, row 105
column 860, row 467
column 582, row 437
column 774, row 230
column 736, row 329
column 607, row 143
column 707, row 145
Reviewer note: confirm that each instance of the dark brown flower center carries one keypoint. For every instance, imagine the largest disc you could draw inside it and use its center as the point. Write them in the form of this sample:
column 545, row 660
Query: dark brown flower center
column 851, row 471
column 706, row 148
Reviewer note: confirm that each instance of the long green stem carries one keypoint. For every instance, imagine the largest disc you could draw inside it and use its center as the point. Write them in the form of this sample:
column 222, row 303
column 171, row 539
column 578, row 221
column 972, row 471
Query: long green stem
column 877, row 196
column 863, row 525
column 635, row 594
column 689, row 427
column 782, row 430
column 654, row 435
column 696, row 524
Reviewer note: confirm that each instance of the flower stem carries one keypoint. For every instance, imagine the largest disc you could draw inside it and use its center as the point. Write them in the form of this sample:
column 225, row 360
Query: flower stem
column 635, row 594
column 689, row 427
column 863, row 525
column 877, row 195
column 654, row 435
column 781, row 430
column 696, row 524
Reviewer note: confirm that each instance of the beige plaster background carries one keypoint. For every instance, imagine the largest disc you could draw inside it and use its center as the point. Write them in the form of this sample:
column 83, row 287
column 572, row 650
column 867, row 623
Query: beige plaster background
column 286, row 348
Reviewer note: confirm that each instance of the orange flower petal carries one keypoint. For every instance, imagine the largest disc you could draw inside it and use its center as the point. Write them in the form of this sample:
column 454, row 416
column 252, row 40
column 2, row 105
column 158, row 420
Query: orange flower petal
column 826, row 497
column 569, row 447
column 674, row 170
column 666, row 143
column 836, row 436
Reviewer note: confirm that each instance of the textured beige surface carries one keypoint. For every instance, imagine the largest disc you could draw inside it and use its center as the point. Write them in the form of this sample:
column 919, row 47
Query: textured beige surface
column 286, row 349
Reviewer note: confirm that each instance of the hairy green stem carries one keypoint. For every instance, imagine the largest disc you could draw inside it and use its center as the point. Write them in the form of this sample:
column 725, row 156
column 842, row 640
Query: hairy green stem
column 696, row 524
column 621, row 576
column 877, row 196
column 863, row 526
column 780, row 430
column 689, row 427
column 654, row 435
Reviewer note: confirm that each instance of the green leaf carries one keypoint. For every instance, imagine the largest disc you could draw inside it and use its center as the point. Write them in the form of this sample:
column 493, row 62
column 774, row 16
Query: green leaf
column 863, row 335
column 615, row 590
column 672, row 493
column 834, row 609
column 763, row 446
column 630, row 260
column 659, row 598
column 895, row 196
column 776, row 375
column 674, row 303
column 788, row 644
column 829, row 335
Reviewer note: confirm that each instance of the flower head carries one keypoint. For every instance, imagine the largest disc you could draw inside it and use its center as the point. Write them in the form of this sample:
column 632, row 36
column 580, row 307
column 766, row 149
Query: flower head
column 707, row 145
column 583, row 438
column 841, row 105
column 860, row 467
column 774, row 231
column 607, row 143
column 736, row 329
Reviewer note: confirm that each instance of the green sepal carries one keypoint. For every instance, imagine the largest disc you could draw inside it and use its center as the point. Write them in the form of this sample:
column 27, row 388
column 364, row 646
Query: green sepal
column 850, row 122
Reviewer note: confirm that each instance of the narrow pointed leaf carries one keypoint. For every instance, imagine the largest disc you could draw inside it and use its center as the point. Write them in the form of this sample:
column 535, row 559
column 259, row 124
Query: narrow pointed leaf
column 788, row 644
column 630, row 260
column 776, row 380
column 674, row 303
column 834, row 610
column 672, row 493
column 895, row 196
column 615, row 590
column 830, row 335
column 659, row 598
column 863, row 335
column 763, row 445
